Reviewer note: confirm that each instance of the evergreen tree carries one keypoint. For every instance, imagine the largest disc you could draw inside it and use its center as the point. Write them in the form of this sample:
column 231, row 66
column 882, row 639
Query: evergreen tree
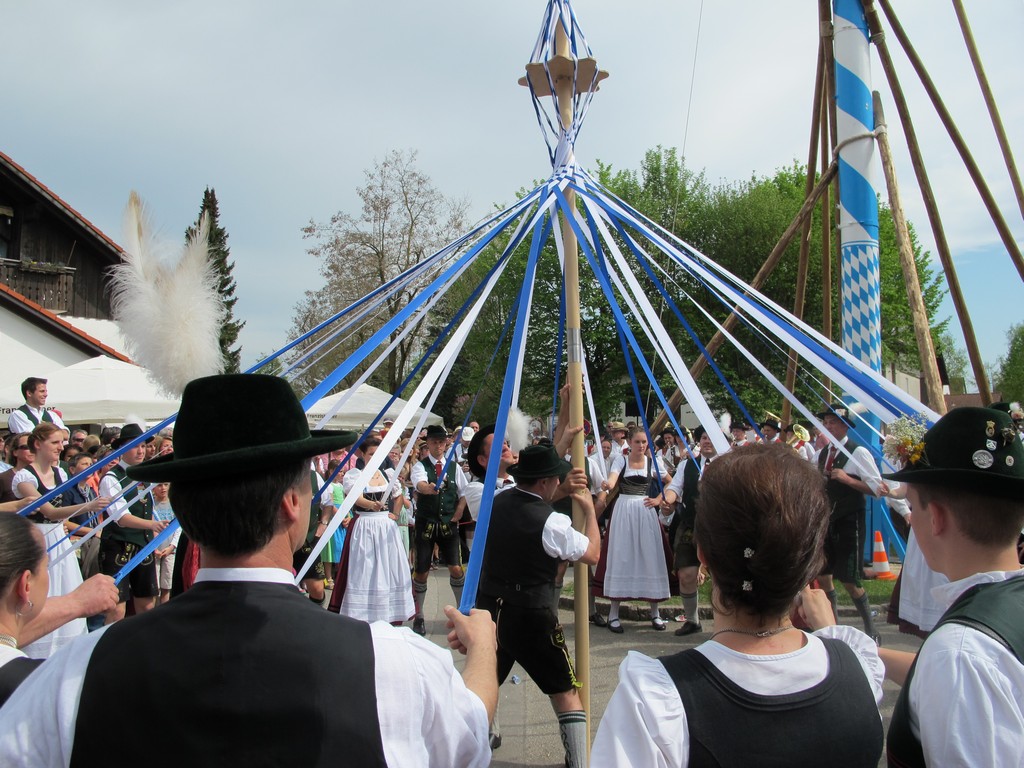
column 220, row 258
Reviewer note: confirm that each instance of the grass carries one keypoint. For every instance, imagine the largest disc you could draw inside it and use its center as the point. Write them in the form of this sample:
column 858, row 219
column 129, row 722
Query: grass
column 879, row 593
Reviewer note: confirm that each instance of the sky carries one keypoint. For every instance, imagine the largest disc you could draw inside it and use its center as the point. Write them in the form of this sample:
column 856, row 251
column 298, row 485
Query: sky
column 282, row 106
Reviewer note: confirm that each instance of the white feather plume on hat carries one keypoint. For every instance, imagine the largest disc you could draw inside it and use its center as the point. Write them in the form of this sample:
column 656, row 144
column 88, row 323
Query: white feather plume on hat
column 517, row 430
column 169, row 313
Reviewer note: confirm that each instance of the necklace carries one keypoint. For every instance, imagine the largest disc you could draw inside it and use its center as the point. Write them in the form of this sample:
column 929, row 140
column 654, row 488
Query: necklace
column 8, row 640
column 753, row 632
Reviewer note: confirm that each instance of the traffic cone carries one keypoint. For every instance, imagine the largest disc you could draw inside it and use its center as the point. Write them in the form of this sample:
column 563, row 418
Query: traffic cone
column 880, row 560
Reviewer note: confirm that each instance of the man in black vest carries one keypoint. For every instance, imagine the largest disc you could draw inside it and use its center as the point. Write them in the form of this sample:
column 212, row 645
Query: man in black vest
column 518, row 576
column 27, row 417
column 961, row 698
column 133, row 528
column 850, row 475
column 241, row 669
column 684, row 488
column 435, row 507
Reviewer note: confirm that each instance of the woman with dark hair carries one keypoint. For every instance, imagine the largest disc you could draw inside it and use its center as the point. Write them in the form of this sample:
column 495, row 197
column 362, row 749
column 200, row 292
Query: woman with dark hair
column 634, row 566
column 790, row 696
column 40, row 477
column 23, row 585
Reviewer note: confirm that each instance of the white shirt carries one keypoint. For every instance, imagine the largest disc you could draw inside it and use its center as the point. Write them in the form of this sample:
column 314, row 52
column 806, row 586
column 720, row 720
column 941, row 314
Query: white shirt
column 19, row 422
column 110, row 486
column 427, row 715
column 473, row 493
column 645, row 723
column 620, row 464
column 676, row 486
column 559, row 539
column 860, row 463
column 967, row 689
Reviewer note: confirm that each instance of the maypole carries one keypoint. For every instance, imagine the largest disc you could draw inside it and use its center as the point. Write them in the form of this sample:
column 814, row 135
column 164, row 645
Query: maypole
column 564, row 76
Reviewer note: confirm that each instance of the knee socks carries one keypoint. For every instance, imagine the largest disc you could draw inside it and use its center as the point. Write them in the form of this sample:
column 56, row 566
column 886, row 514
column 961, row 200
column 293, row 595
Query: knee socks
column 865, row 614
column 831, row 595
column 690, row 607
column 456, row 585
column 613, row 611
column 655, row 613
column 419, row 591
column 573, row 728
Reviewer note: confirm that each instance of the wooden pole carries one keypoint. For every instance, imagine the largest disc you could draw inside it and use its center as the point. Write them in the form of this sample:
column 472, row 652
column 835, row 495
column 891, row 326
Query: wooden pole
column 805, row 234
column 762, row 274
column 829, row 212
column 928, row 196
column 990, row 102
column 922, row 330
column 564, row 94
column 1002, row 227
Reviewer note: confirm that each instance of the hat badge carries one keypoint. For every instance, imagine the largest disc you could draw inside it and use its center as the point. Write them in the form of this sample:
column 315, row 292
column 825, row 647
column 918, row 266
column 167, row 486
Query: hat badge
column 990, row 428
column 983, row 459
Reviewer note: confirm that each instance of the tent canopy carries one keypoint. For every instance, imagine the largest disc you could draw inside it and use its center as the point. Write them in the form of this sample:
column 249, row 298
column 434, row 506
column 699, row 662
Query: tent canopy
column 100, row 390
column 361, row 409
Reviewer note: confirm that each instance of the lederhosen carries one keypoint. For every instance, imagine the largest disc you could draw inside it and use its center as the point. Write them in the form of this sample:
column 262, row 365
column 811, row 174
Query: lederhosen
column 237, row 673
column 434, row 520
column 516, row 582
column 842, row 543
column 996, row 610
column 837, row 717
column 118, row 545
column 681, row 528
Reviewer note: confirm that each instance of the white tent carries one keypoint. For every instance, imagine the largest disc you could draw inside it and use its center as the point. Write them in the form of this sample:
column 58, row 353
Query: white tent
column 361, row 409
column 101, row 390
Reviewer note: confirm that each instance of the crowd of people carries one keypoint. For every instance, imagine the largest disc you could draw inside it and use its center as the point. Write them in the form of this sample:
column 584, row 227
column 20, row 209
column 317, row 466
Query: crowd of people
column 772, row 523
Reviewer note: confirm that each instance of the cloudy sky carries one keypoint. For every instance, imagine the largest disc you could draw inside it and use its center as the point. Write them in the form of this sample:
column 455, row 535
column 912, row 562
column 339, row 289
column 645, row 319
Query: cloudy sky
column 281, row 106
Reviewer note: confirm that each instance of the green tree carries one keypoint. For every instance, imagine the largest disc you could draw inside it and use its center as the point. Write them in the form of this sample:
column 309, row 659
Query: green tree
column 1009, row 375
column 220, row 257
column 954, row 358
column 404, row 219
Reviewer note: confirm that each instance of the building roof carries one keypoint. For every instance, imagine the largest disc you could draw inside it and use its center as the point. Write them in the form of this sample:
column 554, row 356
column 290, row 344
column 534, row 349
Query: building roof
column 57, row 326
column 39, row 189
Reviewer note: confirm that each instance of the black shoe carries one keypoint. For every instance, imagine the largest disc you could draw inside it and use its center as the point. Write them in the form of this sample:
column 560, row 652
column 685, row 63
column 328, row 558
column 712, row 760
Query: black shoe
column 689, row 628
column 659, row 624
column 615, row 626
column 598, row 620
column 418, row 626
column 495, row 740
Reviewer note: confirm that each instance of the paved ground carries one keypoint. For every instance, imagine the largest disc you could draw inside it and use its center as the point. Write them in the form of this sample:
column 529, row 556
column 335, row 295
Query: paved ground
column 528, row 728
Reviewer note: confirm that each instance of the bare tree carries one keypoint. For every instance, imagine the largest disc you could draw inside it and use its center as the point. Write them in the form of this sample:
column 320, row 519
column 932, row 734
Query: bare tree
column 404, row 219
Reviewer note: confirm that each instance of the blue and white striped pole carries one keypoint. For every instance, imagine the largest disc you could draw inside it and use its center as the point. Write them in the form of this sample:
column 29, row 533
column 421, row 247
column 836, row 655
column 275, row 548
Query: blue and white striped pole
column 858, row 202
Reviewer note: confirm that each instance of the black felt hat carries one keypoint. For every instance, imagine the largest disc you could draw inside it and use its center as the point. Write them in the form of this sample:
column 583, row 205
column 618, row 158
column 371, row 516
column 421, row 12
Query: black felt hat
column 539, row 461
column 476, row 447
column 129, row 432
column 840, row 411
column 773, row 423
column 437, row 431
column 237, row 424
column 974, row 449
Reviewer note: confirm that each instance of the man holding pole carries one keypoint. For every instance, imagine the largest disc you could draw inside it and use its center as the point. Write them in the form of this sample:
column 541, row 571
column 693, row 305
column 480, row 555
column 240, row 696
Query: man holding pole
column 518, row 577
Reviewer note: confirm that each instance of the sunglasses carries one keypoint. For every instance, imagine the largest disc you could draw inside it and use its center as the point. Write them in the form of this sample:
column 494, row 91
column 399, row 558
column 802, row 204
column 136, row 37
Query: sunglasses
column 23, row 447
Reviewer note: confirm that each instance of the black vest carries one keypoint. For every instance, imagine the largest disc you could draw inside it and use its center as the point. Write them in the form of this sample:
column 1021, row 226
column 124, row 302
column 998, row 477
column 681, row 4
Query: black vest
column 516, row 568
column 141, row 508
column 13, row 674
column 57, row 501
column 837, row 717
column 691, row 490
column 845, row 500
column 996, row 610
column 442, row 506
column 235, row 673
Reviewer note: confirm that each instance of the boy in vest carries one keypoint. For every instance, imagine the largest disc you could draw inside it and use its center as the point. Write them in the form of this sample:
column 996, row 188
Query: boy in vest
column 961, row 697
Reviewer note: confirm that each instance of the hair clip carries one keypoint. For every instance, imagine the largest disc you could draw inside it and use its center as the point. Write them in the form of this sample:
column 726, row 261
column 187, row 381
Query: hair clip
column 748, row 586
column 748, row 553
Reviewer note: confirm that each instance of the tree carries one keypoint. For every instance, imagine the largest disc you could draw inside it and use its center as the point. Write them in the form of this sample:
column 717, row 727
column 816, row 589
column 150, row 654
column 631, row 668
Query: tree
column 954, row 358
column 1009, row 377
column 404, row 219
column 220, row 257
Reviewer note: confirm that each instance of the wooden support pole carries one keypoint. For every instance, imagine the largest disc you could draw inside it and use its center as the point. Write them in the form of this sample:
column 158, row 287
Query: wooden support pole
column 805, row 233
column 1005, row 234
column 990, row 102
column 759, row 279
column 574, row 343
column 928, row 196
column 830, row 211
column 826, row 241
column 922, row 330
